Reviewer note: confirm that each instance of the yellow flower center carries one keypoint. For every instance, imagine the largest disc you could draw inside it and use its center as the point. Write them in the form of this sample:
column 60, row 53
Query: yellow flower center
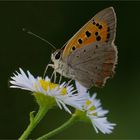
column 92, row 108
column 48, row 85
column 88, row 102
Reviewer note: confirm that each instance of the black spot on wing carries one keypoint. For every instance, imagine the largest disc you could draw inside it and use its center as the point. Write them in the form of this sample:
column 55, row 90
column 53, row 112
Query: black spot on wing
column 73, row 48
column 96, row 33
column 80, row 41
column 88, row 34
column 100, row 27
column 98, row 38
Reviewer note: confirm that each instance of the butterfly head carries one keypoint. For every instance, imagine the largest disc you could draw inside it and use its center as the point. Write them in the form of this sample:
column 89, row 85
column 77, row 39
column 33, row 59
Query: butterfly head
column 56, row 56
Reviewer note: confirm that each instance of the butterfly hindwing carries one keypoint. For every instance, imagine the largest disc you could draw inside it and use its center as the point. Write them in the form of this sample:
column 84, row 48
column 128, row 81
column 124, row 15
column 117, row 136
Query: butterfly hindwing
column 93, row 64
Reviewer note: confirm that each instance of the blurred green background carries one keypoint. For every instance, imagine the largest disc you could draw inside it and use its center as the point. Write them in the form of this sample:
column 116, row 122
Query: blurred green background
column 57, row 22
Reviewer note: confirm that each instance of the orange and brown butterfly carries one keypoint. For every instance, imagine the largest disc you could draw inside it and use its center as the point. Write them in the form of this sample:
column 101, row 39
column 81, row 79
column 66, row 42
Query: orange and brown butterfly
column 90, row 55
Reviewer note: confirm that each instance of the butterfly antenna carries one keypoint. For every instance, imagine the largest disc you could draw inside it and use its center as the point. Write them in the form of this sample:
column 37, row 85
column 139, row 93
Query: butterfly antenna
column 37, row 36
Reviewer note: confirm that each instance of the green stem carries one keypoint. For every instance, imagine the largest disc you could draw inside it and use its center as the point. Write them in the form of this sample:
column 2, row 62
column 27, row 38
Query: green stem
column 67, row 124
column 33, row 122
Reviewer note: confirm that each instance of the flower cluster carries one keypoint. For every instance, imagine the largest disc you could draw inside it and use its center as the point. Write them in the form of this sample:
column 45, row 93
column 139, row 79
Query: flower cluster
column 64, row 95
column 95, row 112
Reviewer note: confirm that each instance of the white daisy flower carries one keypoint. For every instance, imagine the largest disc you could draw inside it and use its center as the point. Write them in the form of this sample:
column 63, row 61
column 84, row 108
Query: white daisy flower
column 95, row 113
column 62, row 94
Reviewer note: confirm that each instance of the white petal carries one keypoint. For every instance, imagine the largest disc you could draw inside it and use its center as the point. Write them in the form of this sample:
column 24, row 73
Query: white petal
column 102, row 124
column 64, row 106
column 81, row 89
column 97, row 116
column 47, row 78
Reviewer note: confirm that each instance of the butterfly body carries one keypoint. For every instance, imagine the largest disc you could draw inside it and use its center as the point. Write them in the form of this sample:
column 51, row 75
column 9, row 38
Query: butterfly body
column 60, row 66
column 90, row 55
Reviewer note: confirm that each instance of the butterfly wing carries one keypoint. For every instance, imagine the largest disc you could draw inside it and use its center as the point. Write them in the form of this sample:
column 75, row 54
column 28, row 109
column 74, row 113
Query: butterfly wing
column 93, row 64
column 91, row 52
column 101, row 28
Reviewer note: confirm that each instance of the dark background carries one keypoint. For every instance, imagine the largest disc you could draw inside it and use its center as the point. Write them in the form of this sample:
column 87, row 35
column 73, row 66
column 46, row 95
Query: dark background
column 57, row 22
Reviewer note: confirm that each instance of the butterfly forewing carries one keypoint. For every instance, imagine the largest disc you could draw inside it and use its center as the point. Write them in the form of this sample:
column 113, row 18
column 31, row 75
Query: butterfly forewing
column 100, row 28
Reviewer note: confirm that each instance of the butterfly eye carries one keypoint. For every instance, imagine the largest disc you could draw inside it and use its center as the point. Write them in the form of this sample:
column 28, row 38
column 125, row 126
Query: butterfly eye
column 57, row 56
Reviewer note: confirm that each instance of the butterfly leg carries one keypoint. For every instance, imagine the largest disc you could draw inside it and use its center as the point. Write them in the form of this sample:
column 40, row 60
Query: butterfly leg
column 60, row 79
column 49, row 65
column 54, row 76
column 69, row 82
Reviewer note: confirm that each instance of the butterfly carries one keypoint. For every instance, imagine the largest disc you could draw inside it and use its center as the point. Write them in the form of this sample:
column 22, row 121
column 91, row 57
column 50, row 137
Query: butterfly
column 90, row 55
